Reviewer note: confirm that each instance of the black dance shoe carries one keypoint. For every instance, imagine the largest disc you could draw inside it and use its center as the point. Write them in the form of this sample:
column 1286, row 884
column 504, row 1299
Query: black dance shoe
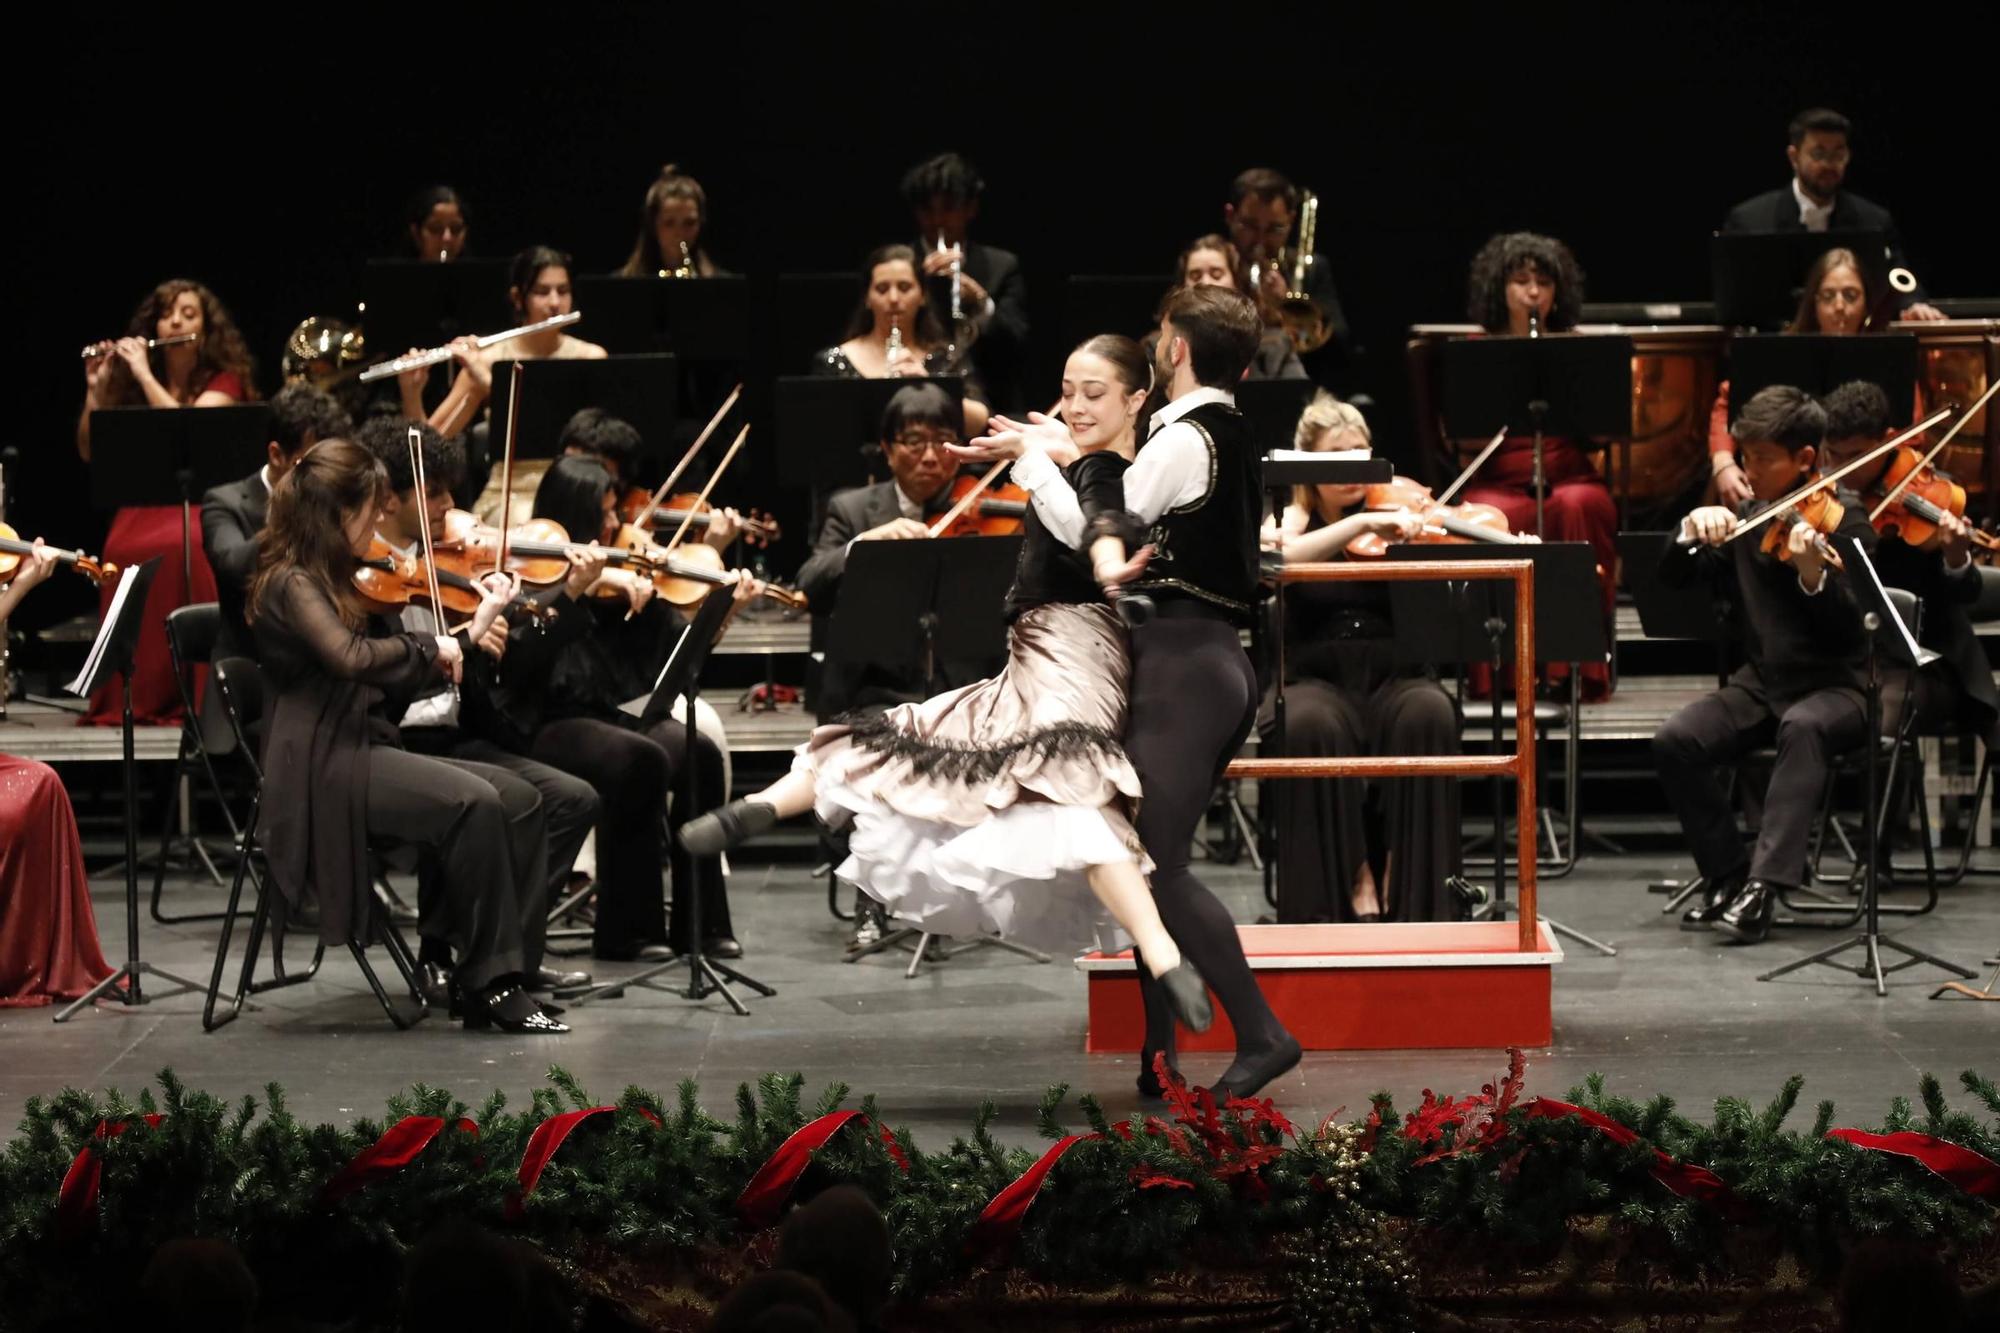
column 510, row 1009
column 438, row 985
column 1716, row 895
column 722, row 946
column 731, row 826
column 1187, row 996
column 1150, row 1086
column 1747, row 919
column 1247, row 1077
column 555, row 979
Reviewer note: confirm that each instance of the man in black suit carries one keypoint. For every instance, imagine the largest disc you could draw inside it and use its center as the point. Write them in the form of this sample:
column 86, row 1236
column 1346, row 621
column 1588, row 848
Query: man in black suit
column 233, row 515
column 1263, row 205
column 943, row 197
column 1819, row 157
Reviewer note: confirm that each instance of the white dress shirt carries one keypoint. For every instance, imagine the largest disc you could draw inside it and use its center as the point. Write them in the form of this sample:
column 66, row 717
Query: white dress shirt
column 1172, row 470
column 1816, row 217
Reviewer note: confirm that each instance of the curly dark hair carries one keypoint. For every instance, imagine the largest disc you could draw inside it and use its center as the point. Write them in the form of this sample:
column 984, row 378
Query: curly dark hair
column 1506, row 255
column 947, row 174
column 221, row 347
column 388, row 438
column 929, row 333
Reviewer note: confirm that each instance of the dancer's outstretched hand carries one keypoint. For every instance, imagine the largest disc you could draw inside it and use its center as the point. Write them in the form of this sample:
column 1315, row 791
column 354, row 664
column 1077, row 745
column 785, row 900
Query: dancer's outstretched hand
column 1006, row 438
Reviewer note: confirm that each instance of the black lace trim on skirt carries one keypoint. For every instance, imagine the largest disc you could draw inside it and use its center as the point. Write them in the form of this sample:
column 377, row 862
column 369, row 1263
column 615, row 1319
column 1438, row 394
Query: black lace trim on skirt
column 954, row 761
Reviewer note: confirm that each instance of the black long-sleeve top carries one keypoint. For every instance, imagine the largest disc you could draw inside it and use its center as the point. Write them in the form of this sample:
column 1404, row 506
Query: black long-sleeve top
column 1947, row 629
column 1049, row 569
column 333, row 691
column 1797, row 642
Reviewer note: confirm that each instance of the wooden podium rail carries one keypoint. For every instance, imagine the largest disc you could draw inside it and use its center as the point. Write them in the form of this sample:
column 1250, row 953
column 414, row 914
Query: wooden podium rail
column 1520, row 765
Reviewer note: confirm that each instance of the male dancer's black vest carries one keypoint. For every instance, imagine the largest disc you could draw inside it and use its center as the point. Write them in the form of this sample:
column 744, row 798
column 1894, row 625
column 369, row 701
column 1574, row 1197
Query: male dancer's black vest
column 1207, row 549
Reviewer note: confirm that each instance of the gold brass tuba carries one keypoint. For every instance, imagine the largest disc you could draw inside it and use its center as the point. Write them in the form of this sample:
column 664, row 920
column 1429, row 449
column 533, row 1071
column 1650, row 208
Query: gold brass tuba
column 1304, row 319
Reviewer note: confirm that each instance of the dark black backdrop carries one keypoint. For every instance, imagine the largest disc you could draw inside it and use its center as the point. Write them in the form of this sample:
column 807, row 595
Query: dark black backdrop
column 268, row 153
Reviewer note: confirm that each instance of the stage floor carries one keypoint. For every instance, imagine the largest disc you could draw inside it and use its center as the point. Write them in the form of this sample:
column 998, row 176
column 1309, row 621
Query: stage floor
column 1673, row 1012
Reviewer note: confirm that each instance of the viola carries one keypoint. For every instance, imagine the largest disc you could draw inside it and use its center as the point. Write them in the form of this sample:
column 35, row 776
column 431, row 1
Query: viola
column 755, row 527
column 13, row 551
column 1443, row 523
column 1818, row 511
column 1000, row 512
column 1924, row 498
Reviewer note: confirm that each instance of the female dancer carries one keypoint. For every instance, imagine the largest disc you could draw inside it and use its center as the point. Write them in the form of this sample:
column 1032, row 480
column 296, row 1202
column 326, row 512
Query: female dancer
column 1006, row 806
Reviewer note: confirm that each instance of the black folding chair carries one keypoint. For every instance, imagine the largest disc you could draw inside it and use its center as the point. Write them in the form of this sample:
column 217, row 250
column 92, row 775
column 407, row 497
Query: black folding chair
column 192, row 633
column 240, row 683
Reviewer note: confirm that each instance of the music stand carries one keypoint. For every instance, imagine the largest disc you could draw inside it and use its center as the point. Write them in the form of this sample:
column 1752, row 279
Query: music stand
column 829, row 430
column 153, row 456
column 643, row 390
column 680, row 681
column 812, row 310
column 1757, row 275
column 1442, row 621
column 1576, row 385
column 414, row 303
column 956, row 588
column 699, row 320
column 1819, row 363
column 1111, row 303
column 1273, row 407
column 1888, row 636
column 117, row 643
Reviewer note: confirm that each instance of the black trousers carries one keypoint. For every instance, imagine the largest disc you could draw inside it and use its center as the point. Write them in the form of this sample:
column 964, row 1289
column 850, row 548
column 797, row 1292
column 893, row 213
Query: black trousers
column 483, row 829
column 1193, row 702
column 634, row 773
column 569, row 804
column 1698, row 746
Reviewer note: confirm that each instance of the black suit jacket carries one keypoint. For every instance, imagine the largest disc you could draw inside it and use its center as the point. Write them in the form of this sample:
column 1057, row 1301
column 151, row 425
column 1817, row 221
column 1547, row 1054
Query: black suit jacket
column 1947, row 629
column 1001, row 347
column 231, row 518
column 1778, row 210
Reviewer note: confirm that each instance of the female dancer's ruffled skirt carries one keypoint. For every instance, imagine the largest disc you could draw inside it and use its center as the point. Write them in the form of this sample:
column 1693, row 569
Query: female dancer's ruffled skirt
column 976, row 812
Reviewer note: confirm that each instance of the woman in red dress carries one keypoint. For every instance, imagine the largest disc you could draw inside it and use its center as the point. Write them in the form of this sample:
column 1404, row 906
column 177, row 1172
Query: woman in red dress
column 212, row 371
column 48, row 935
column 1515, row 276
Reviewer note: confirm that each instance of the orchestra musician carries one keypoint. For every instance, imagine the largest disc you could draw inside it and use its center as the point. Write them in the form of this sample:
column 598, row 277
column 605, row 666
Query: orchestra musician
column 213, row 370
column 436, row 222
column 942, row 194
column 559, row 701
column 443, row 722
column 1958, row 687
column 1819, row 155
column 671, row 221
column 1354, row 850
column 1214, row 261
column 233, row 515
column 895, row 332
column 1259, row 216
column 1801, row 685
column 48, row 932
column 336, row 774
column 1520, row 282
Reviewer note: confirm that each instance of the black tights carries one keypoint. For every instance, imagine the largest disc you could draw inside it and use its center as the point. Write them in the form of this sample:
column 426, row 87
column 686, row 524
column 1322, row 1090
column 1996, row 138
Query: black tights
column 1194, row 700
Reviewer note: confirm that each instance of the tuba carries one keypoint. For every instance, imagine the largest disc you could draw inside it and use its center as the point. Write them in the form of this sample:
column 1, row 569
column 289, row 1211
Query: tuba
column 1304, row 319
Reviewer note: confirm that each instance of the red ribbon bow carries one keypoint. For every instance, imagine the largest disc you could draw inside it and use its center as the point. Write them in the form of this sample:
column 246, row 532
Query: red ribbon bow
column 76, row 1198
column 1976, row 1175
column 1682, row 1178
column 763, row 1199
column 542, row 1145
column 399, row 1145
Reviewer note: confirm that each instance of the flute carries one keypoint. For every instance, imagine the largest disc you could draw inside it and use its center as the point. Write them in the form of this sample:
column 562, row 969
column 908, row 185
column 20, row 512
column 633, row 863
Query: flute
column 104, row 348
column 439, row 355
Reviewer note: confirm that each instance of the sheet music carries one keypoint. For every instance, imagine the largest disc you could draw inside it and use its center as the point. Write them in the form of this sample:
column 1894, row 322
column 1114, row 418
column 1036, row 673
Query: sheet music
column 637, row 707
column 1320, row 456
column 1857, row 559
column 79, row 686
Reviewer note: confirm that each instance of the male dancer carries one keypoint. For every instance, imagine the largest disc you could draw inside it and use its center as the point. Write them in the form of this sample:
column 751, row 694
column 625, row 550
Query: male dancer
column 1195, row 495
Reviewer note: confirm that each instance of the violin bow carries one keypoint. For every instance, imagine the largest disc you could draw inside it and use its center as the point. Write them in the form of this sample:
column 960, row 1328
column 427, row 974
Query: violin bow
column 1936, row 449
column 644, row 521
column 416, row 442
column 507, row 469
column 687, row 520
column 1473, row 466
column 1777, row 507
column 969, row 499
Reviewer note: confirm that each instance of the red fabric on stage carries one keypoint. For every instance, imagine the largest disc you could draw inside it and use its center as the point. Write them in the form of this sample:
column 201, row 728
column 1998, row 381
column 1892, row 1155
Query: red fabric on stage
column 48, row 934
column 137, row 535
column 1577, row 508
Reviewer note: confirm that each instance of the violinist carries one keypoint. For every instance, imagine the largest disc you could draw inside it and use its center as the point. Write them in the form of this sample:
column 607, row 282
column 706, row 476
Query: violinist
column 1354, row 850
column 1800, row 687
column 1957, row 688
column 336, row 774
column 445, row 722
column 560, row 699
column 233, row 515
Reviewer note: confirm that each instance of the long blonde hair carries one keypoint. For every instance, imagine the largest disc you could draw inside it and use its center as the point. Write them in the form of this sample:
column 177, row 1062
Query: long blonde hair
column 1325, row 413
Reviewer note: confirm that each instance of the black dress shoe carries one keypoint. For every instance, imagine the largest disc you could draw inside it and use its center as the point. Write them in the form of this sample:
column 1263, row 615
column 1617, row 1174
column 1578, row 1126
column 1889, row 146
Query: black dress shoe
column 510, row 1009
column 722, row 946
column 1187, row 996
column 1747, row 919
column 549, row 978
column 1716, row 895
column 729, row 827
column 438, row 985
column 1247, row 1077
column 637, row 953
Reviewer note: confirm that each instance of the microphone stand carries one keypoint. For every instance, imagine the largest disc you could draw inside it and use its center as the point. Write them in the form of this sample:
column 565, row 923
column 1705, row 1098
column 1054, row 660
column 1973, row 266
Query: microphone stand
column 1538, row 410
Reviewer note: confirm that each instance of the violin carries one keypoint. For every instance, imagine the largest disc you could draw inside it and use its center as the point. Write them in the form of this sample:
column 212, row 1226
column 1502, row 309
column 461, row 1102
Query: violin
column 389, row 580
column 754, row 526
column 1923, row 496
column 13, row 551
column 1818, row 511
column 685, row 575
column 1443, row 523
column 1000, row 511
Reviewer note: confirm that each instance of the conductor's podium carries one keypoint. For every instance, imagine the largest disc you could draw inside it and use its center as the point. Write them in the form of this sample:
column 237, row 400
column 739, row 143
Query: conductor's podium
column 1371, row 987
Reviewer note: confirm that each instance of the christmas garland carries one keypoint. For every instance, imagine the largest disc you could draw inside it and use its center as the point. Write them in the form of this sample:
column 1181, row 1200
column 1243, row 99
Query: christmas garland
column 1328, row 1216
